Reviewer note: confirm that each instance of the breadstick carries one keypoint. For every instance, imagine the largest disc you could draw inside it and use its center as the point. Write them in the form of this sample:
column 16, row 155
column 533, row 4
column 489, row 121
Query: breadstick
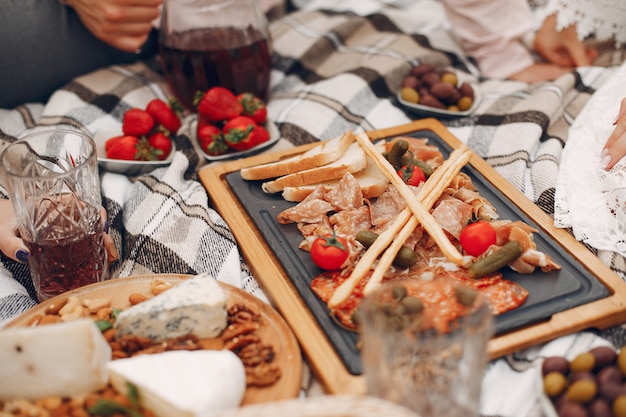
column 427, row 195
column 423, row 216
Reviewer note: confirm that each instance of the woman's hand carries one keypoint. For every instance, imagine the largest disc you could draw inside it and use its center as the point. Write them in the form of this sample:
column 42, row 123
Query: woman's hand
column 124, row 24
column 12, row 245
column 10, row 242
column 563, row 47
column 615, row 147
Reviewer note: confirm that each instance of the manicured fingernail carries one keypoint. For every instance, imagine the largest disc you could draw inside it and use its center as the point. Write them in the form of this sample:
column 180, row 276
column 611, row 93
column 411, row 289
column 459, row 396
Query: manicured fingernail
column 22, row 255
column 106, row 226
column 605, row 158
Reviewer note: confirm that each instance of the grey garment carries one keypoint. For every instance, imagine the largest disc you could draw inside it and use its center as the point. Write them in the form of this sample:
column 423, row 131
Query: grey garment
column 44, row 45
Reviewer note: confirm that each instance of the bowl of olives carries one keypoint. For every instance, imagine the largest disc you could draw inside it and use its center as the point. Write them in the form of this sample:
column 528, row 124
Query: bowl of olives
column 437, row 92
column 592, row 383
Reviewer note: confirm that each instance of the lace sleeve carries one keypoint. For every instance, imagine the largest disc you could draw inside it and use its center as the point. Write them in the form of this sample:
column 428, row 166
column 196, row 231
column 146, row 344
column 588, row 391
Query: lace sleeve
column 604, row 19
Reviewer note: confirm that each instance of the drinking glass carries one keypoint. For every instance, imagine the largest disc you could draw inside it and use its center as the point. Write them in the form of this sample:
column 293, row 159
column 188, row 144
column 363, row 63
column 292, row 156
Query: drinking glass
column 424, row 345
column 208, row 43
column 53, row 183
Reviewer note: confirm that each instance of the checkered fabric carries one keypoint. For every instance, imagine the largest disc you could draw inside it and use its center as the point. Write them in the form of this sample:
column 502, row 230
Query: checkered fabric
column 337, row 65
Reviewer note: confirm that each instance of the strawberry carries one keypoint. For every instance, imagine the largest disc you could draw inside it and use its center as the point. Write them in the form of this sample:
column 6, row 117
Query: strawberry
column 123, row 147
column 160, row 146
column 211, row 140
column 218, row 104
column 238, row 133
column 253, row 107
column 164, row 114
column 137, row 122
column 259, row 135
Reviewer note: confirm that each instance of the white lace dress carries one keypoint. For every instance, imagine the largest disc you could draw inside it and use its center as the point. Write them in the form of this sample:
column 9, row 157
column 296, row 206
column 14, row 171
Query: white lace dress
column 590, row 200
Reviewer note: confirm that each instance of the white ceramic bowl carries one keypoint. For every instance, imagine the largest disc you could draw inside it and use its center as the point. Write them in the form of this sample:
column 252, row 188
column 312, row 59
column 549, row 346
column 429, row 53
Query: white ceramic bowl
column 428, row 111
column 119, row 166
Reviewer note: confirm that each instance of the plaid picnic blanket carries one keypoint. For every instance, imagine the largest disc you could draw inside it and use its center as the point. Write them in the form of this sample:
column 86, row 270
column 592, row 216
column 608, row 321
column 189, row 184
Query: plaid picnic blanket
column 336, row 66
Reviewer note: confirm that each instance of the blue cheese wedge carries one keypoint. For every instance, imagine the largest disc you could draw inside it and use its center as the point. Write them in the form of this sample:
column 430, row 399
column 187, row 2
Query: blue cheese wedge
column 197, row 383
column 196, row 306
column 63, row 359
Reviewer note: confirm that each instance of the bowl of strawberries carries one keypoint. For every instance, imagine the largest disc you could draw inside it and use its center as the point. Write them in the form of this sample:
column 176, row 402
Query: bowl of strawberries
column 232, row 126
column 144, row 141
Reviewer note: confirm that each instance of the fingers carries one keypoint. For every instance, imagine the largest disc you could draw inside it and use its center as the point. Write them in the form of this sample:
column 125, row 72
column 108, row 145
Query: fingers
column 109, row 245
column 615, row 147
column 10, row 242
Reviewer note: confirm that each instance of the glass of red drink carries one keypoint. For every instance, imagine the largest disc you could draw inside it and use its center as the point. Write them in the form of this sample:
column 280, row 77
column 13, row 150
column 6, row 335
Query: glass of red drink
column 208, row 43
column 53, row 182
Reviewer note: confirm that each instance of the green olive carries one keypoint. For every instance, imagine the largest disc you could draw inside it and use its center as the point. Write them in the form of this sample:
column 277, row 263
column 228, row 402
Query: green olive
column 619, row 406
column 554, row 383
column 583, row 362
column 621, row 360
column 465, row 295
column 413, row 305
column 582, row 391
column 398, row 292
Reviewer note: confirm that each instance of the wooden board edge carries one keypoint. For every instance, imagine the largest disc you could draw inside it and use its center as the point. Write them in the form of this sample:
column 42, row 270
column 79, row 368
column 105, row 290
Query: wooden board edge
column 599, row 314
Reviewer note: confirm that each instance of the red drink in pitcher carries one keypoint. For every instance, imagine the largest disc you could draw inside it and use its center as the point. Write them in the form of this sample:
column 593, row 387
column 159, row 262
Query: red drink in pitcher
column 196, row 60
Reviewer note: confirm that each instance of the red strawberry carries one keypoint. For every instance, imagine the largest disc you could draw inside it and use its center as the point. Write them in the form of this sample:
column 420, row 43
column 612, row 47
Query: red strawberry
column 238, row 133
column 123, row 147
column 211, row 140
column 164, row 114
column 219, row 104
column 253, row 107
column 137, row 122
column 160, row 146
column 259, row 135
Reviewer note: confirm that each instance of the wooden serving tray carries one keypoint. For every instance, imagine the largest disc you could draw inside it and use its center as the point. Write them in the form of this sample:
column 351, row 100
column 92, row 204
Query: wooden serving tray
column 321, row 354
column 274, row 329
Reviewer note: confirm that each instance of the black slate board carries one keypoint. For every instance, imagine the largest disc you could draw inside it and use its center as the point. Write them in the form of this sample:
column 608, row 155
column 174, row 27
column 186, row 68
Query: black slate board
column 549, row 293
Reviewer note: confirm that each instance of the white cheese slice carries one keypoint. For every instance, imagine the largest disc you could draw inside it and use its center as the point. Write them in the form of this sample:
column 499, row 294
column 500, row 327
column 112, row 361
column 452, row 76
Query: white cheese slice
column 195, row 306
column 197, row 383
column 64, row 359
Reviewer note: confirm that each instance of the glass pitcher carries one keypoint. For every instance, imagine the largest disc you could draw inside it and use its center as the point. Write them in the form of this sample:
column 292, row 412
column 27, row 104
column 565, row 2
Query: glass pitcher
column 207, row 43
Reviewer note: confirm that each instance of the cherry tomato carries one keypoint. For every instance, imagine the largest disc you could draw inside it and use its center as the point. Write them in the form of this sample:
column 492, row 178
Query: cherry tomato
column 412, row 175
column 477, row 237
column 329, row 251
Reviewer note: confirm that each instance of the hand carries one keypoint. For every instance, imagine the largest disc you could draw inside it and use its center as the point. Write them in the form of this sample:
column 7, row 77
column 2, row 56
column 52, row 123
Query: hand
column 124, row 24
column 615, row 147
column 562, row 47
column 10, row 242
column 12, row 245
column 539, row 72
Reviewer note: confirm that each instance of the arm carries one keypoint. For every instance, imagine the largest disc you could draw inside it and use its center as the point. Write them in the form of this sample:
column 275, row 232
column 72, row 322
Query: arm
column 492, row 32
column 562, row 47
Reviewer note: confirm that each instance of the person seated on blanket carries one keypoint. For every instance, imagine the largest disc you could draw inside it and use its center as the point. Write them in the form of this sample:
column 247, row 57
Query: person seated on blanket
column 45, row 44
column 13, row 246
column 499, row 36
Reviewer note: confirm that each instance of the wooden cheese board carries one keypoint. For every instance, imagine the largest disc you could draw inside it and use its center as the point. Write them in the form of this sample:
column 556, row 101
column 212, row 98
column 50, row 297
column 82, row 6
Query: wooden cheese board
column 601, row 293
column 275, row 330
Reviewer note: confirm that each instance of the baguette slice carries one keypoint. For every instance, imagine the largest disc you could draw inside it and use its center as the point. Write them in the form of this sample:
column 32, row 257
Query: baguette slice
column 353, row 160
column 373, row 183
column 327, row 152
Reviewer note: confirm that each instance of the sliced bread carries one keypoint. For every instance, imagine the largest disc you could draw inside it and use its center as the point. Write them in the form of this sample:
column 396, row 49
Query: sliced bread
column 353, row 160
column 372, row 181
column 327, row 152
